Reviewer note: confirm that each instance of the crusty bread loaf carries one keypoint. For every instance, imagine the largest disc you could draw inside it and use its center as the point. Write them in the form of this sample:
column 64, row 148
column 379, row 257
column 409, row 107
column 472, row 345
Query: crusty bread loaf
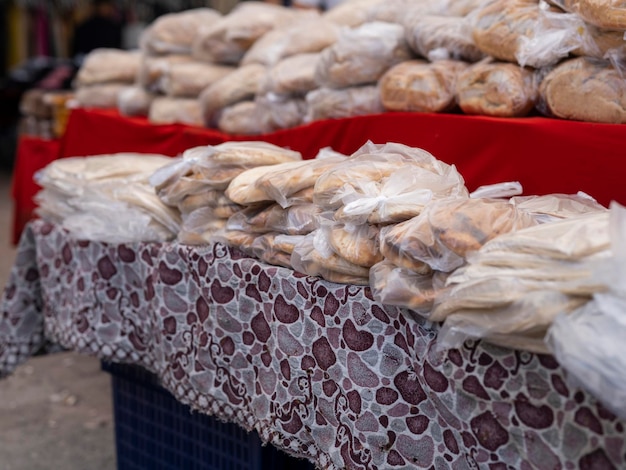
column 499, row 26
column 584, row 90
column 420, row 86
column 496, row 89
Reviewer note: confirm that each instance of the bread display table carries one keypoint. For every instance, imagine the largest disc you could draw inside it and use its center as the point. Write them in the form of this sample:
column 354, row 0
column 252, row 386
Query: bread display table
column 318, row 369
column 545, row 155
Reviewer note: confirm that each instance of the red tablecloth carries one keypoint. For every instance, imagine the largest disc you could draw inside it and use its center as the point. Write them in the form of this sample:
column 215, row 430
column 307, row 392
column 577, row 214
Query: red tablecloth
column 33, row 154
column 545, row 155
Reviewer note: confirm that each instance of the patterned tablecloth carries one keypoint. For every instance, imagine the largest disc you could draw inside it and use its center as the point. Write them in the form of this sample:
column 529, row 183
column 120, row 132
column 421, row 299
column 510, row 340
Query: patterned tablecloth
column 318, row 369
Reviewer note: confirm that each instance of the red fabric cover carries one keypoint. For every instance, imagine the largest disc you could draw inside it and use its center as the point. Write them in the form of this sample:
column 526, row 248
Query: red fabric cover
column 32, row 154
column 544, row 155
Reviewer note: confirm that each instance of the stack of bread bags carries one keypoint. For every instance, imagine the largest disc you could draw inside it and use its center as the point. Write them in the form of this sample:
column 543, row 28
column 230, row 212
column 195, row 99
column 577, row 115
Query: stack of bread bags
column 509, row 290
column 376, row 186
column 103, row 75
column 195, row 183
column 106, row 198
column 278, row 209
column 570, row 52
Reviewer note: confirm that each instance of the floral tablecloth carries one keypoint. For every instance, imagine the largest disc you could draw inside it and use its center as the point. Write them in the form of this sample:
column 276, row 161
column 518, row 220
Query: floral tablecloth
column 318, row 369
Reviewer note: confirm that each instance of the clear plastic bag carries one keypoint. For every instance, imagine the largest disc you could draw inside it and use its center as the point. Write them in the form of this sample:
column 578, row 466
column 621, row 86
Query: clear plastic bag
column 419, row 86
column 189, row 79
column 313, row 256
column 242, row 85
column 152, row 69
column 309, row 35
column 441, row 37
column 393, row 285
column 292, row 75
column 552, row 207
column 608, row 14
column 104, row 65
column 350, row 13
column 358, row 244
column 361, row 55
column 328, row 103
column 242, row 118
column 166, row 110
column 105, row 96
column 174, row 33
column 506, row 189
column 295, row 220
column 276, row 112
column 496, row 89
column 268, row 250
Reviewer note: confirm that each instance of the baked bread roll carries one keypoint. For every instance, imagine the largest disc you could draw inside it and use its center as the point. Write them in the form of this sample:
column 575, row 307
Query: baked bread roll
column 241, row 85
column 293, row 75
column 309, row 35
column 584, row 90
column 420, row 86
column 166, row 110
column 251, row 153
column 189, row 79
column 361, row 55
column 441, row 37
column 174, row 33
column 105, row 65
column 329, row 103
column 357, row 244
column 227, row 40
column 496, row 89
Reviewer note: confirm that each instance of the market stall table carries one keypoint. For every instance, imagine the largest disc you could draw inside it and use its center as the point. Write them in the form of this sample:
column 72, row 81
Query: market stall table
column 318, row 369
column 545, row 155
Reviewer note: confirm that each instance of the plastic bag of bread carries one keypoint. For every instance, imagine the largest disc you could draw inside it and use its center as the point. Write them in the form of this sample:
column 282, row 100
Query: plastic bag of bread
column 134, row 101
column 398, row 197
column 293, row 75
column 552, row 207
column 280, row 111
column 358, row 244
column 360, row 180
column 441, row 37
column 607, row 14
column 329, row 103
column 174, row 33
column 350, row 13
column 313, row 256
column 105, row 65
column 584, row 89
column 265, row 248
column 241, row 118
column 498, row 27
column 419, row 86
column 244, row 189
column 215, row 200
column 104, row 95
column 461, row 7
column 393, row 285
column 189, row 79
column 496, row 89
column 295, row 220
column 361, row 55
column 286, row 186
column 242, row 84
column 167, row 110
column 153, row 68
column 227, row 40
column 448, row 230
column 308, row 35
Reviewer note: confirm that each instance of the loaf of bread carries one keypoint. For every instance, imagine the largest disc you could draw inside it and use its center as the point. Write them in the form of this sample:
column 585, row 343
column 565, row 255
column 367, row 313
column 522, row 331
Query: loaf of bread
column 584, row 89
column 420, row 86
column 228, row 39
column 167, row 110
column 350, row 13
column 105, row 95
column 358, row 244
column 311, row 34
column 292, row 75
column 496, row 89
column 152, row 69
column 295, row 220
column 241, row 85
column 106, row 65
column 134, row 101
column 607, row 14
column 189, row 79
column 361, row 55
column 174, row 33
column 329, row 103
column 441, row 37
column 500, row 25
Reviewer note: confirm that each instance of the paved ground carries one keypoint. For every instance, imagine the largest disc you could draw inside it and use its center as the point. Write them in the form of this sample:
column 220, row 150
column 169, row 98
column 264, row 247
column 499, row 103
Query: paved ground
column 55, row 410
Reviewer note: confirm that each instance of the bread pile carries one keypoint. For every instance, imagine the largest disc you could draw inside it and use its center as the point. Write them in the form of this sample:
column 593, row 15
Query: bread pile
column 263, row 67
column 196, row 183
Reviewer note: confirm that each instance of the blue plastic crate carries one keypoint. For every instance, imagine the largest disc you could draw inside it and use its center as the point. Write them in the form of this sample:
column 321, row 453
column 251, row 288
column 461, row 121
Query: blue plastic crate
column 154, row 431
